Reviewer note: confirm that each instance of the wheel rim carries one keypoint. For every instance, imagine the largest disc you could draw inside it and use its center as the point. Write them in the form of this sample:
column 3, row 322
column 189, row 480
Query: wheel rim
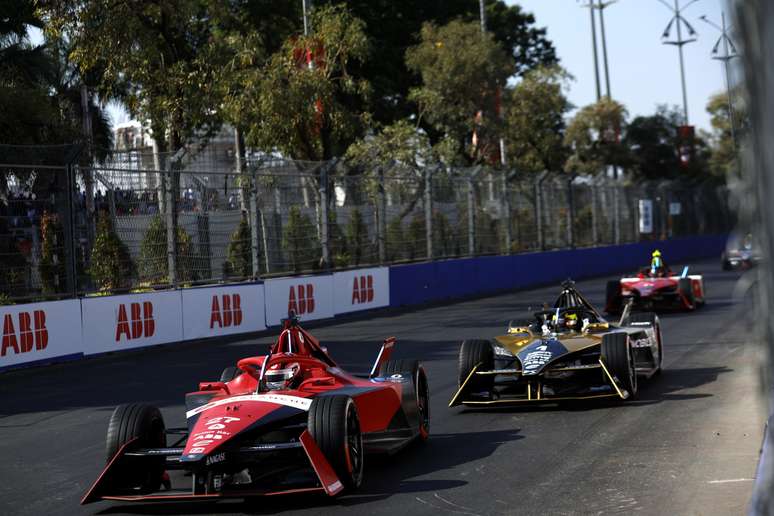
column 354, row 444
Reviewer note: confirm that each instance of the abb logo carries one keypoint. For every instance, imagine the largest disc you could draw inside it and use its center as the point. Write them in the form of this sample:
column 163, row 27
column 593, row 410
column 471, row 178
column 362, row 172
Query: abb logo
column 363, row 289
column 139, row 324
column 226, row 312
column 301, row 299
column 31, row 327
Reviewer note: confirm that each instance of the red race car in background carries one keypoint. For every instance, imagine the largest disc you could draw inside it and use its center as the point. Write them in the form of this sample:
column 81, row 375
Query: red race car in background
column 291, row 421
column 650, row 291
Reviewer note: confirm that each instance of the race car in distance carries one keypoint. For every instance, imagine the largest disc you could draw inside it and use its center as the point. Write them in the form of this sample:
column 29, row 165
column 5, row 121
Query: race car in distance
column 291, row 421
column 740, row 253
column 661, row 291
column 568, row 352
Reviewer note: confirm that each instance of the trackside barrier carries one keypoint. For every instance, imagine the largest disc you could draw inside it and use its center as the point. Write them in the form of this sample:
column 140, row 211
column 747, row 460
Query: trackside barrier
column 41, row 332
column 311, row 297
column 453, row 279
column 222, row 310
column 361, row 289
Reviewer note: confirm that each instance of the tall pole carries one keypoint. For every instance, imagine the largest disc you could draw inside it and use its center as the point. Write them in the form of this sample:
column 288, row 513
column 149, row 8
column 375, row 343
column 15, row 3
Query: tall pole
column 601, row 6
column 306, row 6
column 482, row 18
column 729, row 53
column 482, row 15
column 594, row 48
column 678, row 22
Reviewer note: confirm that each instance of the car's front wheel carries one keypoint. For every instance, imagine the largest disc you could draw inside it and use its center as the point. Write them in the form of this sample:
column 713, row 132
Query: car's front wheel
column 335, row 426
column 143, row 426
column 618, row 357
column 475, row 353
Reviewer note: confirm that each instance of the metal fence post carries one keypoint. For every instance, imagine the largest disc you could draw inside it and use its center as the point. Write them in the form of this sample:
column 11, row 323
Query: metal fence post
column 471, row 217
column 539, row 209
column 324, row 244
column 171, row 206
column 570, row 212
column 429, row 211
column 507, row 211
column 68, row 227
column 254, row 226
column 616, row 213
column 381, row 217
column 594, row 234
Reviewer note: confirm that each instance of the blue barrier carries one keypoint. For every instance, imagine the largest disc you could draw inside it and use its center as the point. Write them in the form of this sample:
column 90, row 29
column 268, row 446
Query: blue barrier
column 453, row 279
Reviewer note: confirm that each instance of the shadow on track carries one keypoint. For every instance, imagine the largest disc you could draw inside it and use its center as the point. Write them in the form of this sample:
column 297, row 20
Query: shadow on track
column 386, row 476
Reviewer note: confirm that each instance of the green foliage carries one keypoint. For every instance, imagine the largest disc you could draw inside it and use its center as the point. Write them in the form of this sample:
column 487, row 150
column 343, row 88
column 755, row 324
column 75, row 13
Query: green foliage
column 462, row 73
column 534, row 120
column 594, row 137
column 358, row 246
column 299, row 108
column 111, row 265
column 724, row 161
column 51, row 265
column 416, row 237
column 239, row 255
column 153, row 265
column 443, row 235
column 337, row 243
column 395, row 241
column 300, row 242
column 15, row 269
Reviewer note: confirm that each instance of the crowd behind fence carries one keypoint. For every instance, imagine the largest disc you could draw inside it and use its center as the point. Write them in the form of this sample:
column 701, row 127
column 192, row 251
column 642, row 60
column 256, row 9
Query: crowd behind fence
column 126, row 226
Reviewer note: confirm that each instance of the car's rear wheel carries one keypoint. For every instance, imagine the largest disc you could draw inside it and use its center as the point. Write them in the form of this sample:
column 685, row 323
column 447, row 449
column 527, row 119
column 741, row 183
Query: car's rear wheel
column 334, row 425
column 619, row 359
column 650, row 317
column 144, row 425
column 476, row 353
column 686, row 291
column 414, row 367
column 613, row 297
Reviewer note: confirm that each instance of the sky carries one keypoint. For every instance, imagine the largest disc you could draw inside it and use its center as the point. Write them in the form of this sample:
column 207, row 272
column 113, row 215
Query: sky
column 643, row 72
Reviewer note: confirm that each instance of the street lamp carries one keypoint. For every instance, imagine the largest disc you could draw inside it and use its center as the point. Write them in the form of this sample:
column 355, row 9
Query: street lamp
column 678, row 22
column 591, row 7
column 601, row 6
column 729, row 53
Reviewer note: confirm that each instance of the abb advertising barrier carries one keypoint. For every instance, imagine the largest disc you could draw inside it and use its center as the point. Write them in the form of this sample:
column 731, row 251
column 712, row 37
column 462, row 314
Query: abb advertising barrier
column 216, row 311
column 115, row 323
column 40, row 331
column 311, row 297
column 361, row 289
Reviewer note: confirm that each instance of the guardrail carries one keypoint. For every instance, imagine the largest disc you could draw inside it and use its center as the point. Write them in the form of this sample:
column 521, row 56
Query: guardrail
column 41, row 333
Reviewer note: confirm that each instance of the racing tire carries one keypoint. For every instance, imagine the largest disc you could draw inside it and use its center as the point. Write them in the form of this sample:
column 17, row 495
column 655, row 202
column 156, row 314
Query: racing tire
column 613, row 297
column 414, row 367
column 619, row 359
column 334, row 425
column 145, row 424
column 652, row 318
column 473, row 353
column 686, row 290
column 230, row 373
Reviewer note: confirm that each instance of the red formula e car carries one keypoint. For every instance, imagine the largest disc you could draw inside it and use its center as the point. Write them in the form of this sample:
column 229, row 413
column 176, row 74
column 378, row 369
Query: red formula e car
column 291, row 421
column 652, row 292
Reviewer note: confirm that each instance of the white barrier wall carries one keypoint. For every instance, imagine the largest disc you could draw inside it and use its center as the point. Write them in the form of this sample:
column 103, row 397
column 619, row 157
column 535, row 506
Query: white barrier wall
column 40, row 331
column 115, row 323
column 361, row 289
column 311, row 297
column 216, row 311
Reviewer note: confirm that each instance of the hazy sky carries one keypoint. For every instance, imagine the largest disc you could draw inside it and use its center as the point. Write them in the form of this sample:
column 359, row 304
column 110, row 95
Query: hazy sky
column 643, row 72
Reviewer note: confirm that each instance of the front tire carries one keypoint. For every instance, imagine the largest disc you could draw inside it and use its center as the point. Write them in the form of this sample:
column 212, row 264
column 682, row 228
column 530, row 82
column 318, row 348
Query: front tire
column 686, row 291
column 334, row 424
column 145, row 425
column 476, row 353
column 414, row 367
column 653, row 319
column 619, row 359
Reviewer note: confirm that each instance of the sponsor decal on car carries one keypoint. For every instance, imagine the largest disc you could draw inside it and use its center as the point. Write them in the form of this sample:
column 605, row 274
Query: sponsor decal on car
column 277, row 399
column 215, row 459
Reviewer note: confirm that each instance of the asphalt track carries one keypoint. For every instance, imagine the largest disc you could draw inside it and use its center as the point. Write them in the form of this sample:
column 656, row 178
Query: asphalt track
column 687, row 445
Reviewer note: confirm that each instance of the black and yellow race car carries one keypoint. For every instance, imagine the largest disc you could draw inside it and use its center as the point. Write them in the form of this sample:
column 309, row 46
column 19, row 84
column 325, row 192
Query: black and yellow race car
column 568, row 352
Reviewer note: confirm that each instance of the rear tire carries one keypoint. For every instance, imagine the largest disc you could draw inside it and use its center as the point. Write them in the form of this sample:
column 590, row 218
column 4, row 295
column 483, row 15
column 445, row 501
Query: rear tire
column 145, row 424
column 473, row 353
column 686, row 290
column 613, row 297
column 414, row 367
column 334, row 425
column 230, row 373
column 619, row 359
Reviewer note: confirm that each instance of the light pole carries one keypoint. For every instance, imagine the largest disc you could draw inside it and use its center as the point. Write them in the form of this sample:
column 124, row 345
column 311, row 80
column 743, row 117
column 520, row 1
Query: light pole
column 591, row 8
column 306, row 6
column 601, row 6
column 482, row 16
column 678, row 22
column 729, row 53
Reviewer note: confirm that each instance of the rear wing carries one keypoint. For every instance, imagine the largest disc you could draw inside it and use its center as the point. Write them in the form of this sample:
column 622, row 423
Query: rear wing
column 384, row 355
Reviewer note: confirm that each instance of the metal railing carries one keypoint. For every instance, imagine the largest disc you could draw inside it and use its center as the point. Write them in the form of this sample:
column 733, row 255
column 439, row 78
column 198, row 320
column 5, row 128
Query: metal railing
column 128, row 226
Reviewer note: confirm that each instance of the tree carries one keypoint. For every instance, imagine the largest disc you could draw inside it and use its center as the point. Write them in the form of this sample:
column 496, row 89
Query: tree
column 462, row 73
column 153, row 265
column 535, row 120
column 357, row 238
column 653, row 142
column 594, row 137
column 724, row 160
column 239, row 255
column 299, row 241
column 111, row 265
column 295, row 102
column 51, row 266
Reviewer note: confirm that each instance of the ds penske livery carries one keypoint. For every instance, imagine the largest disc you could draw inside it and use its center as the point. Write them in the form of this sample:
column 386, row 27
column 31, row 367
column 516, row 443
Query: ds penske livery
column 567, row 352
column 291, row 421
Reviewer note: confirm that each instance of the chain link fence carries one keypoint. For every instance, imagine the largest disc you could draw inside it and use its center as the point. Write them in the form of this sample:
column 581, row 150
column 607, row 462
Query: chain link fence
column 146, row 222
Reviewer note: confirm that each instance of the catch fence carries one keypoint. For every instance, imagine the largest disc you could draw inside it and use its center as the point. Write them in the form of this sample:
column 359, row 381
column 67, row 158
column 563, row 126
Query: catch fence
column 136, row 224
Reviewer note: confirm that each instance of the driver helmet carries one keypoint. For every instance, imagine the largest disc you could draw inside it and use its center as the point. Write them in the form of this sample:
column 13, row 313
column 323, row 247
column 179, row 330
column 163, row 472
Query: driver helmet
column 279, row 376
column 656, row 262
column 557, row 321
column 571, row 321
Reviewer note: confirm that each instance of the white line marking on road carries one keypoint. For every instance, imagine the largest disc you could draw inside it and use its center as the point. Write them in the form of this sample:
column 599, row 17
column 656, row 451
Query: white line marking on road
column 730, row 480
